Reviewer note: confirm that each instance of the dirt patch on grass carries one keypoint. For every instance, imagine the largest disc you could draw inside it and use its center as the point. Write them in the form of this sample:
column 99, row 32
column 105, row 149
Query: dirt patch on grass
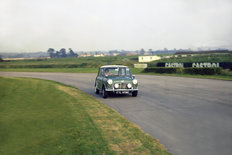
column 68, row 90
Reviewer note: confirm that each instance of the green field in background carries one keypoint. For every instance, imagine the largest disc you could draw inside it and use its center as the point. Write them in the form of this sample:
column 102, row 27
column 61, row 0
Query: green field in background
column 91, row 64
column 95, row 62
column 82, row 62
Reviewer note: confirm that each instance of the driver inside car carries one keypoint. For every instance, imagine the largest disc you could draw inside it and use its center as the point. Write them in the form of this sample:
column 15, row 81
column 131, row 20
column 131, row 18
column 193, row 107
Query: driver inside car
column 107, row 72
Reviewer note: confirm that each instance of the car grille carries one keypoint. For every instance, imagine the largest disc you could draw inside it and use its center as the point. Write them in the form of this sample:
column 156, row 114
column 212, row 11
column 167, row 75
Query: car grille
column 122, row 86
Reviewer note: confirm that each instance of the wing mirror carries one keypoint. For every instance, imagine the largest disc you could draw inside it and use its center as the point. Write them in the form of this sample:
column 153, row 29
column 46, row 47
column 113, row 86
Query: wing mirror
column 133, row 76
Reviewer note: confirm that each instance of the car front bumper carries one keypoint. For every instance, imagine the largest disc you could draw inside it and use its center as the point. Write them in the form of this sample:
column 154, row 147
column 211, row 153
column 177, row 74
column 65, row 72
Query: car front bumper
column 122, row 90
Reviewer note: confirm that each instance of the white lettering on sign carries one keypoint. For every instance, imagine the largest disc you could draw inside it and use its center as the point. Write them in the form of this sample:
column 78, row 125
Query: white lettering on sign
column 205, row 64
column 174, row 65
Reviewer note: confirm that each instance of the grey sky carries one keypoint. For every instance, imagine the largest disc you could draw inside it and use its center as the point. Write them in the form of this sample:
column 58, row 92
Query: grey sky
column 88, row 25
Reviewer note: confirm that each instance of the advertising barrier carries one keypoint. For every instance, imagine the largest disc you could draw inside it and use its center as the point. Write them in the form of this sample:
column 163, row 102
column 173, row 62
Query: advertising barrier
column 224, row 65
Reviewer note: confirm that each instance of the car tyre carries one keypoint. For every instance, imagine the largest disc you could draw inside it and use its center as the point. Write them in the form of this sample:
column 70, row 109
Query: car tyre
column 104, row 93
column 96, row 90
column 134, row 93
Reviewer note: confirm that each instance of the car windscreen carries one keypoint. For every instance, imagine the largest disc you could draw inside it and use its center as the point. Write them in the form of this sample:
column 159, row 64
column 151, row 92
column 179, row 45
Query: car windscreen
column 117, row 71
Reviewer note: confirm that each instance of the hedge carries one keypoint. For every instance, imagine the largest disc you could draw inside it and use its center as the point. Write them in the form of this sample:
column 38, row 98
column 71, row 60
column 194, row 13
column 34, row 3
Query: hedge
column 171, row 70
column 203, row 71
column 163, row 70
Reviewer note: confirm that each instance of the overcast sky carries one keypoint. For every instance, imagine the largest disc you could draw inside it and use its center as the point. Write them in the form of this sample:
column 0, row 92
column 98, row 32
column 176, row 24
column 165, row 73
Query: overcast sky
column 88, row 25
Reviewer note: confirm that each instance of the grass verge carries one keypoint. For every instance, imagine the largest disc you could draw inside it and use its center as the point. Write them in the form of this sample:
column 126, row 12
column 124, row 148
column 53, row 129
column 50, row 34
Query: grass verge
column 44, row 117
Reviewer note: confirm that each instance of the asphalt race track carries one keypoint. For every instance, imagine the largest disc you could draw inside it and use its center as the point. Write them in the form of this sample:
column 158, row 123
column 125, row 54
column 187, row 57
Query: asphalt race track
column 189, row 116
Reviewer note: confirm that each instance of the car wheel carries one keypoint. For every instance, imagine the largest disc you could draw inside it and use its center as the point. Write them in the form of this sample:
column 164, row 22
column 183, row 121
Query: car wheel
column 134, row 93
column 96, row 90
column 104, row 93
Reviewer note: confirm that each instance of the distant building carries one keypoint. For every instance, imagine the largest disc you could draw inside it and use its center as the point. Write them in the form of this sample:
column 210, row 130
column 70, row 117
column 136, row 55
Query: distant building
column 98, row 55
column 84, row 55
column 148, row 58
column 106, row 54
column 130, row 54
column 166, row 57
column 146, row 53
column 115, row 54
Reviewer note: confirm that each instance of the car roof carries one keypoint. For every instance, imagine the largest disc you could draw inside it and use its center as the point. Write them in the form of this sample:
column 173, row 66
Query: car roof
column 109, row 66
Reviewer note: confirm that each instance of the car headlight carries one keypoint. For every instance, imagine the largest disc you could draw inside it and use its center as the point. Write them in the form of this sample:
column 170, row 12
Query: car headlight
column 116, row 85
column 135, row 81
column 109, row 81
column 129, row 85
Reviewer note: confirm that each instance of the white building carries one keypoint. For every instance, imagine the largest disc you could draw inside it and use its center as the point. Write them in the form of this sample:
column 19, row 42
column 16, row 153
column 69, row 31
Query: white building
column 148, row 58
column 98, row 55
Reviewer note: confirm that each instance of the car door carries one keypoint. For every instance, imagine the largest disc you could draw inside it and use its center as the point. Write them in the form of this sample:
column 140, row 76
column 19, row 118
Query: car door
column 99, row 79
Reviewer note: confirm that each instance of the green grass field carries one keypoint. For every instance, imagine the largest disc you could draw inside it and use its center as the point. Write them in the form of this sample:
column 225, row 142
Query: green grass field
column 91, row 64
column 95, row 62
column 44, row 117
column 82, row 62
column 62, row 70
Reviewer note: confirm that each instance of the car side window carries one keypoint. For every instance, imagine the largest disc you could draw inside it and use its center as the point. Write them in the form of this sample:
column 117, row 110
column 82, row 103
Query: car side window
column 128, row 73
column 99, row 72
column 123, row 71
column 102, row 72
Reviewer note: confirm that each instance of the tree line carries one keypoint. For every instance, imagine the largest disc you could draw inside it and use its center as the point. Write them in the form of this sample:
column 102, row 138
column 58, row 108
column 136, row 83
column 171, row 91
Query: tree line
column 61, row 53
